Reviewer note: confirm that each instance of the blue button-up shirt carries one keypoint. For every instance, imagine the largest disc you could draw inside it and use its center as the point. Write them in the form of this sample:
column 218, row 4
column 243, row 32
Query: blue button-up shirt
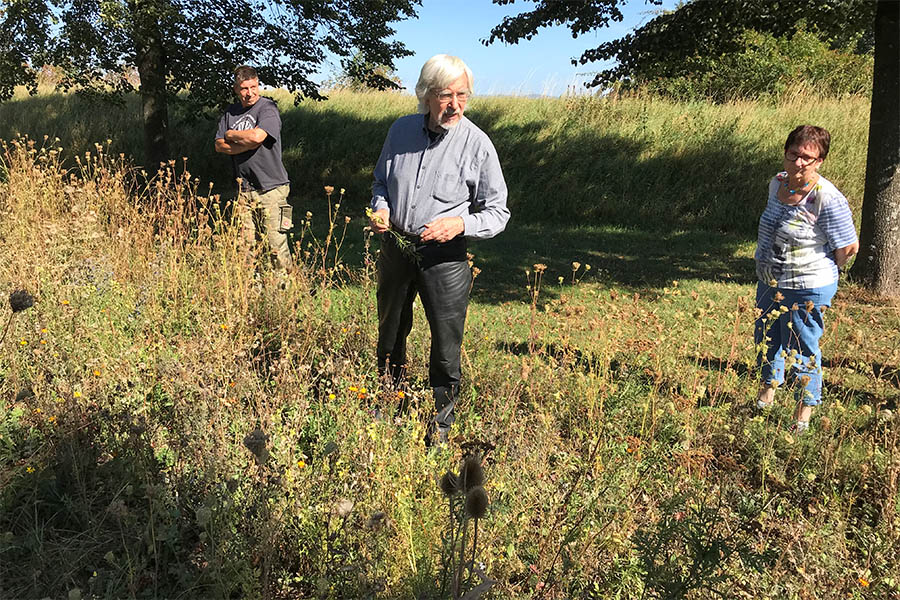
column 456, row 175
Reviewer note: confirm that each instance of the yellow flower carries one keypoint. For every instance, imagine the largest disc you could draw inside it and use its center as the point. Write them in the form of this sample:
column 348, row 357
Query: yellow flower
column 52, row 419
column 65, row 302
column 97, row 372
column 362, row 390
column 401, row 394
column 863, row 582
column 76, row 395
column 43, row 341
column 44, row 330
column 29, row 470
column 301, row 464
column 331, row 396
column 24, row 342
column 353, row 388
column 223, row 326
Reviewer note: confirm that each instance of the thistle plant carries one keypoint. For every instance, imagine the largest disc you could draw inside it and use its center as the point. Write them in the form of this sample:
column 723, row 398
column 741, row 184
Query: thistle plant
column 467, row 502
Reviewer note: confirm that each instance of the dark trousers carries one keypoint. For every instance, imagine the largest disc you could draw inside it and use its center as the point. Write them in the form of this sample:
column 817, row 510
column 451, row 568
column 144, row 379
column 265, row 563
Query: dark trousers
column 442, row 278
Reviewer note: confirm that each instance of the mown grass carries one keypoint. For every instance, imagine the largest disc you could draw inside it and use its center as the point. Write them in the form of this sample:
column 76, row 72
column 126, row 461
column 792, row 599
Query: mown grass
column 179, row 423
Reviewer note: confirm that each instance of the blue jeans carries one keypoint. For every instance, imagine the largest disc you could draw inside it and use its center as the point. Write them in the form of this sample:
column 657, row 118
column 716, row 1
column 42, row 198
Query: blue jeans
column 792, row 337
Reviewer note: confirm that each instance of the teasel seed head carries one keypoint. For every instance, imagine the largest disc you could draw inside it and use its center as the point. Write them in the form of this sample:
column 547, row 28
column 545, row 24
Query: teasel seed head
column 449, row 483
column 20, row 300
column 472, row 475
column 476, row 502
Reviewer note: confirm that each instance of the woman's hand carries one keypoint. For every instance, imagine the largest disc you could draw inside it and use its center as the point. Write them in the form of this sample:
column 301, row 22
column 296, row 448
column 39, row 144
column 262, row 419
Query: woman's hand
column 842, row 255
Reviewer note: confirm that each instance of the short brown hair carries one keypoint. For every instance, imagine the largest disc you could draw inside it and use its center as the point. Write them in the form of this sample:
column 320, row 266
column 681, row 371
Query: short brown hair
column 244, row 73
column 810, row 134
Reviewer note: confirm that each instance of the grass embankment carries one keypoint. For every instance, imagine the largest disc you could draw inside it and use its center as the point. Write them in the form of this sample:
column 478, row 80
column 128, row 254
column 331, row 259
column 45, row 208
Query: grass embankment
column 177, row 424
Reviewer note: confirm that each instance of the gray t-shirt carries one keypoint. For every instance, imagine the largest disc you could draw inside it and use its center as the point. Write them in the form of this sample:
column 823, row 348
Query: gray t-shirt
column 261, row 169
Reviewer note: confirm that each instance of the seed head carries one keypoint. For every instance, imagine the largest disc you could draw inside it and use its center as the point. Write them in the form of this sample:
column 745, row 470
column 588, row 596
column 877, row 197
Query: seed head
column 472, row 475
column 449, row 483
column 329, row 189
column 476, row 502
column 342, row 508
column 20, row 300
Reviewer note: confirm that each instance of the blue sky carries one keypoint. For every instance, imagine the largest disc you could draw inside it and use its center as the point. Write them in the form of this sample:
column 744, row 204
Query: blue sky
column 539, row 66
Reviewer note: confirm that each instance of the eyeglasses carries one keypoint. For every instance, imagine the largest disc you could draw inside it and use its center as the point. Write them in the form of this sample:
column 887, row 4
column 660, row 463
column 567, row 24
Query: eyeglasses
column 804, row 160
column 447, row 97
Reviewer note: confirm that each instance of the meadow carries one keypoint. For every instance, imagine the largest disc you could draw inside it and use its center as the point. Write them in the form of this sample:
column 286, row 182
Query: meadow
column 178, row 421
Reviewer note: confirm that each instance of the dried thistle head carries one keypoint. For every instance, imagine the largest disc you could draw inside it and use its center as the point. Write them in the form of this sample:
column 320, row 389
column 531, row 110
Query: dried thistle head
column 540, row 267
column 20, row 300
column 471, row 475
column 449, row 483
column 476, row 502
column 329, row 189
column 342, row 508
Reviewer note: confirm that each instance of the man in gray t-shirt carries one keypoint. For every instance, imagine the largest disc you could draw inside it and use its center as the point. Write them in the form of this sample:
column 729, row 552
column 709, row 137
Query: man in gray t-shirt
column 250, row 132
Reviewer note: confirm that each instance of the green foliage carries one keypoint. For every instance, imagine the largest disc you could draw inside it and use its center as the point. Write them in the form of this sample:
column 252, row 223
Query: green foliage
column 177, row 420
column 766, row 67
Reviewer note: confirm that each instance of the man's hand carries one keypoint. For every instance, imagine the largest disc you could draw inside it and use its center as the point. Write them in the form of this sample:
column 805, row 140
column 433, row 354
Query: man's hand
column 380, row 220
column 443, row 229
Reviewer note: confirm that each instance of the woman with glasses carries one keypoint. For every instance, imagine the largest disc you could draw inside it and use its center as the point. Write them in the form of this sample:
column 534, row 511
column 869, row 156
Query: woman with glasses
column 806, row 234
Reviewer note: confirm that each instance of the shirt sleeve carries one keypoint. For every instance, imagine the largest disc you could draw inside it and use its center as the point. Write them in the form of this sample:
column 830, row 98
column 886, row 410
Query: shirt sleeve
column 380, row 198
column 270, row 120
column 836, row 221
column 488, row 214
column 223, row 127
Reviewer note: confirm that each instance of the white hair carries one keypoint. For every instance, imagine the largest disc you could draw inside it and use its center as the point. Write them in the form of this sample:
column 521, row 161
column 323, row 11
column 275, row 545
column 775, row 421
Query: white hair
column 438, row 72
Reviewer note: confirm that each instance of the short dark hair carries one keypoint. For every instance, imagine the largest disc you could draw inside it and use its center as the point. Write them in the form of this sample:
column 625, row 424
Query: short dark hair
column 810, row 134
column 244, row 73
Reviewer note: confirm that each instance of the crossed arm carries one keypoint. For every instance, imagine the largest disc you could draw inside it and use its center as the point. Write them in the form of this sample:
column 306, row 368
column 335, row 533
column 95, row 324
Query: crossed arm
column 236, row 142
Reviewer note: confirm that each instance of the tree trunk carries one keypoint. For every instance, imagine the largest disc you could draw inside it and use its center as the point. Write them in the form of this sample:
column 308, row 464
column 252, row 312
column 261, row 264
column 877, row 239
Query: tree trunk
column 151, row 65
column 878, row 265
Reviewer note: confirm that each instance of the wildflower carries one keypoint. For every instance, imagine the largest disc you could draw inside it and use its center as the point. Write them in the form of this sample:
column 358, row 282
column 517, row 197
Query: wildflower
column 223, row 326
column 29, row 470
column 401, row 394
column 301, row 464
column 346, row 220
column 52, row 419
column 97, row 372
column 576, row 265
column 587, row 267
column 472, row 475
column 23, row 342
column 20, row 300
column 476, row 502
column 65, row 302
column 540, row 267
column 353, row 388
column 560, row 279
column 43, row 341
column 329, row 189
column 308, row 215
column 863, row 582
column 44, row 330
column 331, row 396
column 76, row 395
column 779, row 296
column 449, row 483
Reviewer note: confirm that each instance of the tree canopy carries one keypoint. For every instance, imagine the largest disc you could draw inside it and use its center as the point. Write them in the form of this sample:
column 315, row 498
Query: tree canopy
column 668, row 44
column 186, row 50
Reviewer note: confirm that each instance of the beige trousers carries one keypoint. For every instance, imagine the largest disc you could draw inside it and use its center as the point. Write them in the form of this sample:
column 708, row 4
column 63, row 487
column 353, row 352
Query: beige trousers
column 262, row 212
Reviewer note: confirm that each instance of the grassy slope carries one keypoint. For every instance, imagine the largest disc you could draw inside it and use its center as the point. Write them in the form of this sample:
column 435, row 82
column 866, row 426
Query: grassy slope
column 617, row 408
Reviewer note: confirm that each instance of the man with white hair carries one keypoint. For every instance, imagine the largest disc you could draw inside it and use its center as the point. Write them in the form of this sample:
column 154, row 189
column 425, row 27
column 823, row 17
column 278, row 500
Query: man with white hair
column 437, row 182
